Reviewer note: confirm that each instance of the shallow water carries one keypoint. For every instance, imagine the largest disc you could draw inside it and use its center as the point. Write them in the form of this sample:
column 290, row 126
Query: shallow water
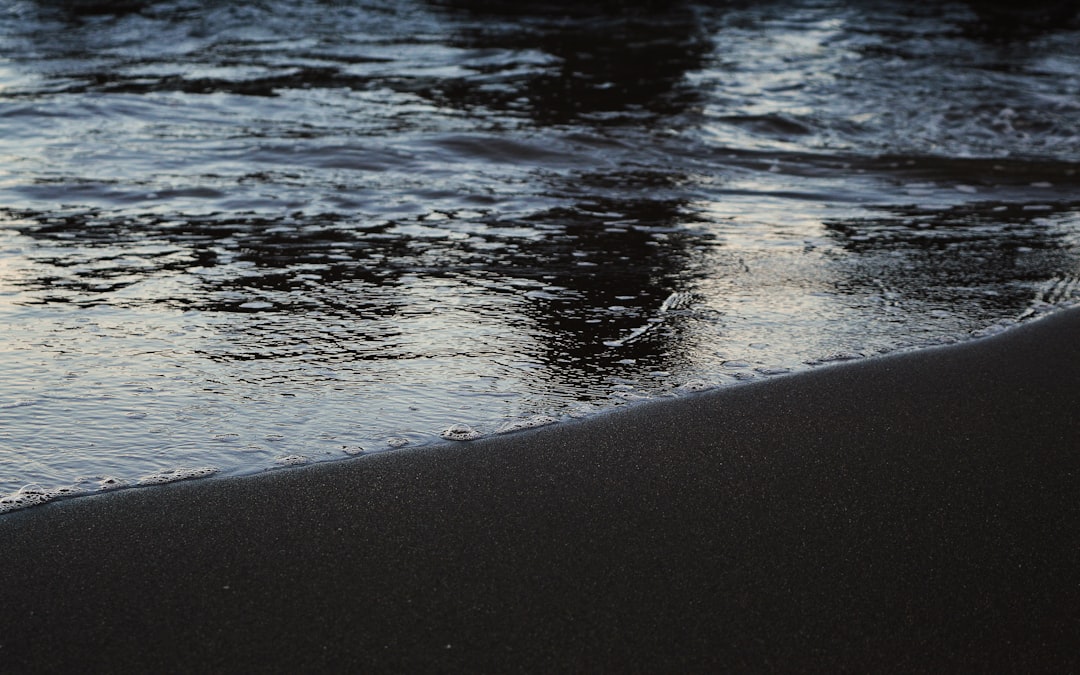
column 236, row 235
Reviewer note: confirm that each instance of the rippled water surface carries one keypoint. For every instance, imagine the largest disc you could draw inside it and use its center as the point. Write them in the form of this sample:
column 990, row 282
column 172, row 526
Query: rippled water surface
column 235, row 235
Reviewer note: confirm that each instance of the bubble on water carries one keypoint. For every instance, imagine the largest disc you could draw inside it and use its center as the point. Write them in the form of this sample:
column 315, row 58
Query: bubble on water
column 173, row 475
column 109, row 483
column 292, row 460
column 353, row 450
column 693, row 386
column 397, row 441
column 773, row 370
column 993, row 329
column 629, row 396
column 529, row 423
column 581, row 410
column 13, row 502
column 33, row 495
column 736, row 364
column 460, row 432
column 836, row 357
column 28, row 495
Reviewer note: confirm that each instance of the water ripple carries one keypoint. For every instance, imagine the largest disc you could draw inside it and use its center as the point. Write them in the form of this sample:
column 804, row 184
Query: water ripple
column 245, row 235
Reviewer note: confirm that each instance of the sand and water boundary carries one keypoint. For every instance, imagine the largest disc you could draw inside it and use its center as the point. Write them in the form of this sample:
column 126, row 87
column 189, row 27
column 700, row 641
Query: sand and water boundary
column 917, row 511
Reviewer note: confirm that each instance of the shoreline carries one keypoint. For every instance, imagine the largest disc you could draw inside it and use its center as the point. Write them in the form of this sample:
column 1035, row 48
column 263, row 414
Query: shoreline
column 911, row 511
column 33, row 494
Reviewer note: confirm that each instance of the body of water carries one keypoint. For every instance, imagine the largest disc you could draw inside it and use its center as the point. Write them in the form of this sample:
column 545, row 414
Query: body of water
column 235, row 236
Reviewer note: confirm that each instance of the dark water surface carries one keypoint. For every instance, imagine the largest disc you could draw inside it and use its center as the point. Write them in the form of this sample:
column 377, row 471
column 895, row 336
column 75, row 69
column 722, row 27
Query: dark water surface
column 234, row 235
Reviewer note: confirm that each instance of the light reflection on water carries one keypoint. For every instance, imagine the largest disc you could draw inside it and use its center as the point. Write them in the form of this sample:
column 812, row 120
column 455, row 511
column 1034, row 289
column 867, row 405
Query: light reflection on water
column 232, row 234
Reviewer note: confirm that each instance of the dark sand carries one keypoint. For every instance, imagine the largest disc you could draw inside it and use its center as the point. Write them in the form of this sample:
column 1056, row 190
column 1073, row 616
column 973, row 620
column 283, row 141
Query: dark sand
column 912, row 512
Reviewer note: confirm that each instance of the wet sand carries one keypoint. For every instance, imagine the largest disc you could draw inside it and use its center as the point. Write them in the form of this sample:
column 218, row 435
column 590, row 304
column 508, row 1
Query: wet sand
column 920, row 511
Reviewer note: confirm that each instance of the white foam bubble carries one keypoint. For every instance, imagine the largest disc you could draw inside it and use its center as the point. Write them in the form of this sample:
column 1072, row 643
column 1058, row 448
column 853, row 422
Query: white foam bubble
column 460, row 432
column 629, row 396
column 773, row 370
column 397, row 441
column 64, row 491
column 33, row 494
column 28, row 495
column 110, row 483
column 836, row 357
column 693, row 385
column 173, row 475
column 993, row 329
column 530, row 423
column 582, row 410
column 292, row 460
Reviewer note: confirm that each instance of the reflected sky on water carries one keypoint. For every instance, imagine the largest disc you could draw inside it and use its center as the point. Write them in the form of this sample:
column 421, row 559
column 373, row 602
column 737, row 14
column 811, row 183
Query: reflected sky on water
column 238, row 234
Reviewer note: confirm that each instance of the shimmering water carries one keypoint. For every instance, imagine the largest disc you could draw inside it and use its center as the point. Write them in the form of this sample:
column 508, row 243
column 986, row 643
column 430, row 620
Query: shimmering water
column 236, row 235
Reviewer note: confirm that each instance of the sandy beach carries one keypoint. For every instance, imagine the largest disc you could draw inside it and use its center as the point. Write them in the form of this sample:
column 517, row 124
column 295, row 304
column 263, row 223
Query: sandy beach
column 913, row 512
